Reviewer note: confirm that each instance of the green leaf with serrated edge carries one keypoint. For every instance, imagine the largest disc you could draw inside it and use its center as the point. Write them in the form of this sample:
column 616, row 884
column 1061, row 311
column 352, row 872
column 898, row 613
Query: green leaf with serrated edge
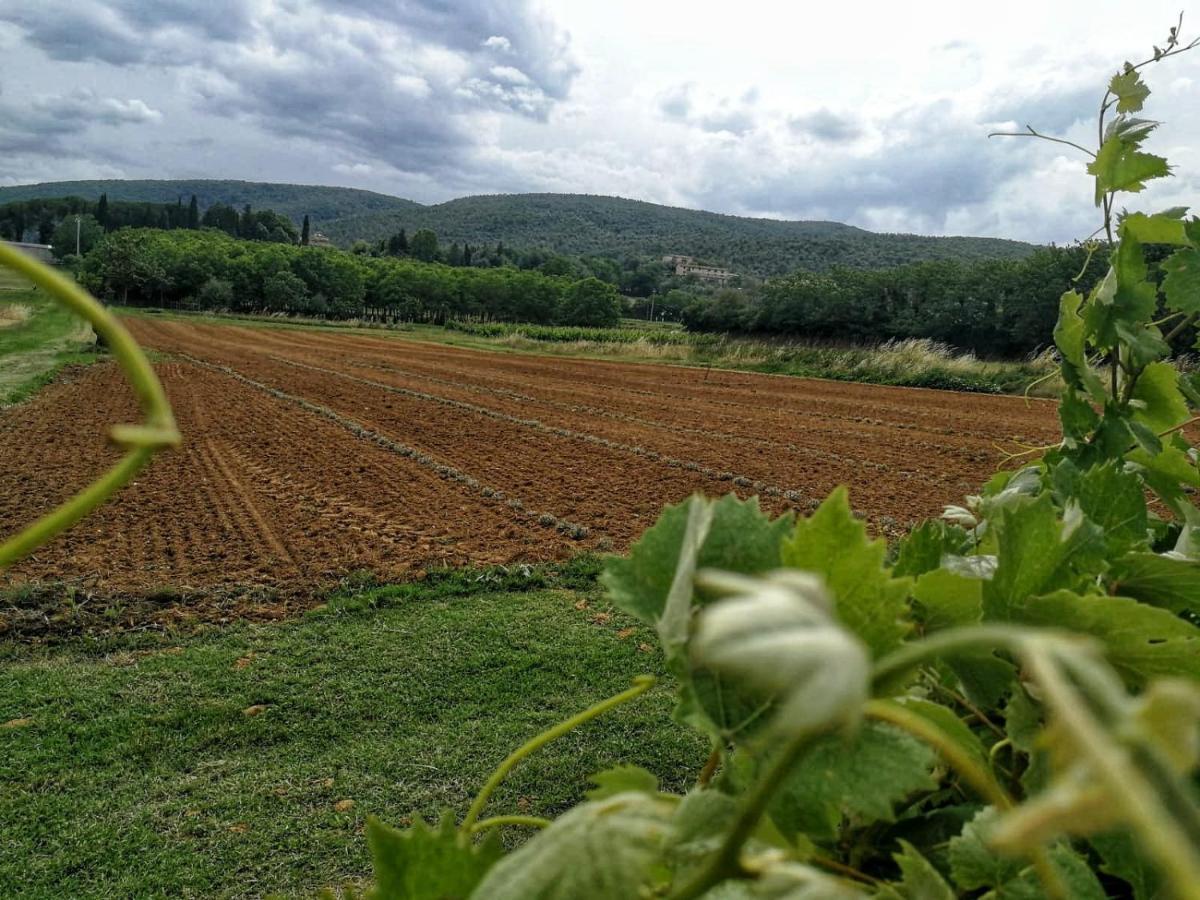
column 862, row 778
column 920, row 880
column 427, row 863
column 1079, row 419
column 985, row 677
column 605, row 848
column 740, row 538
column 972, row 864
column 1038, row 553
column 1140, row 641
column 1172, row 464
column 1162, row 581
column 1110, row 496
column 1131, row 130
column 1120, row 167
column 1070, row 338
column 1157, row 229
column 1073, row 870
column 621, row 779
column 832, row 543
column 946, row 600
column 700, row 824
column 1129, row 89
column 1122, row 858
column 1181, row 286
column 1143, row 344
column 948, row 722
column 1162, row 405
column 922, row 549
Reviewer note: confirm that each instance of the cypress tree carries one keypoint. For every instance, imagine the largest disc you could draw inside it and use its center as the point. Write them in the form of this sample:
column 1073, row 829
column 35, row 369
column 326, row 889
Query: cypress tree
column 193, row 214
column 304, row 232
column 403, row 242
column 102, row 212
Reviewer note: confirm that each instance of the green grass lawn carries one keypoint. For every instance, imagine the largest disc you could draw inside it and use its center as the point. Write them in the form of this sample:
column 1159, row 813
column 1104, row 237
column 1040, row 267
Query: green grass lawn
column 37, row 337
column 133, row 769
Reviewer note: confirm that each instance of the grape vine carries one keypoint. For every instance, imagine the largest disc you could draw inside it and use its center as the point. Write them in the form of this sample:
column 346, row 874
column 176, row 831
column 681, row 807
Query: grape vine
column 1006, row 705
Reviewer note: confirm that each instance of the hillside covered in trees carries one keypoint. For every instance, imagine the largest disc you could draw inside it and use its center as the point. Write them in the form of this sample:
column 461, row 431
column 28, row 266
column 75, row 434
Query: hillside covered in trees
column 570, row 224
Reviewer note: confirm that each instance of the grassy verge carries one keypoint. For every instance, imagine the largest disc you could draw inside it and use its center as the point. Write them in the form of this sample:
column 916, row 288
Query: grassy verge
column 909, row 363
column 37, row 338
column 134, row 769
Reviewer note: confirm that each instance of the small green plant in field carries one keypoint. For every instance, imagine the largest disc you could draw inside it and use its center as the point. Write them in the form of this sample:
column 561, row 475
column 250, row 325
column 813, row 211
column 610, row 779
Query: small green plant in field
column 1008, row 707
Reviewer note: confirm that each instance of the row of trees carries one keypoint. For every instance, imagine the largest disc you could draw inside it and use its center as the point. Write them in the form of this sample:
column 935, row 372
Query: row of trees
column 208, row 269
column 993, row 307
column 73, row 224
column 634, row 277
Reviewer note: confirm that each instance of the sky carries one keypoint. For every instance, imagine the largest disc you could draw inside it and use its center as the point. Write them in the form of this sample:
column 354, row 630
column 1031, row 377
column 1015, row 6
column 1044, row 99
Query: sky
column 875, row 114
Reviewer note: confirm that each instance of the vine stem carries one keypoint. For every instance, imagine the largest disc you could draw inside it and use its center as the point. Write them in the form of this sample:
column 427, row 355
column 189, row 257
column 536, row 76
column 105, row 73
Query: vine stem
column 1123, row 783
column 499, row 821
column 140, row 441
column 641, row 684
column 726, row 862
column 983, row 781
column 957, row 640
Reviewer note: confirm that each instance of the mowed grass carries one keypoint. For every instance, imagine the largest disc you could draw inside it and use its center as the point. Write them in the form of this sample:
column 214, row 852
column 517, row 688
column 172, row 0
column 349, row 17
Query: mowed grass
column 38, row 337
column 133, row 768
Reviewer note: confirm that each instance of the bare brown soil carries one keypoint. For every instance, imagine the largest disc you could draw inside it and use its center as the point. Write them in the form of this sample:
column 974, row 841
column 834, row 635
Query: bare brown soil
column 311, row 455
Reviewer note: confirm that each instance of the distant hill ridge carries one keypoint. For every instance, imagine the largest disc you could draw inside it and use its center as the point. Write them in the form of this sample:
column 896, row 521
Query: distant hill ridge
column 572, row 224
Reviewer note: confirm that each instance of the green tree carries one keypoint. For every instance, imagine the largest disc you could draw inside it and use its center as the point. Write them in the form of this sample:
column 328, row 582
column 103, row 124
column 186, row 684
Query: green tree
column 102, row 212
column 591, row 302
column 304, row 232
column 424, row 245
column 193, row 213
column 63, row 240
column 284, row 291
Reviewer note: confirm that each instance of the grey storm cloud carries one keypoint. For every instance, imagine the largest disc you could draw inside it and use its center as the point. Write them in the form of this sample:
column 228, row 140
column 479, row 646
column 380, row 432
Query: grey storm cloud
column 392, row 82
column 43, row 124
column 933, row 163
column 826, row 125
column 1049, row 109
column 735, row 116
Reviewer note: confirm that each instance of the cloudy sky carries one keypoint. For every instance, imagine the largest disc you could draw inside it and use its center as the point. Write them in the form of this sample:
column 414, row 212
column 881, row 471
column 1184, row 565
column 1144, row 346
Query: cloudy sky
column 871, row 113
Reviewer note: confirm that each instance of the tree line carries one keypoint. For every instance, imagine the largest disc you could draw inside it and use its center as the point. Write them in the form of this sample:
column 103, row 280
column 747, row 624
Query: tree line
column 73, row 224
column 211, row 270
column 990, row 307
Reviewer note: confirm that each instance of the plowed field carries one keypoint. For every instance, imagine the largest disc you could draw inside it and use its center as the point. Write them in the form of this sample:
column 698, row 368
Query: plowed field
column 311, row 454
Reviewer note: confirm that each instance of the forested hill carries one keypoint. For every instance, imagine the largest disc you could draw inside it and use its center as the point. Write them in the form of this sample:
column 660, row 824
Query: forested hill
column 324, row 205
column 572, row 224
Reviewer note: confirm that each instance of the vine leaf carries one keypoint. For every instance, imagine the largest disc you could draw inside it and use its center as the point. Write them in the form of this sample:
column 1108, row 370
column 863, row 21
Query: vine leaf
column 1038, row 553
column 1173, row 584
column 1181, row 286
column 605, row 848
column 620, row 780
column 1129, row 89
column 1140, row 641
column 1162, row 403
column 427, row 863
column 921, row 881
column 1120, row 166
column 739, row 538
column 1161, row 228
column 1121, row 858
column 946, row 599
column 862, row 778
column 922, row 549
column 1111, row 497
column 1069, row 336
column 869, row 600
